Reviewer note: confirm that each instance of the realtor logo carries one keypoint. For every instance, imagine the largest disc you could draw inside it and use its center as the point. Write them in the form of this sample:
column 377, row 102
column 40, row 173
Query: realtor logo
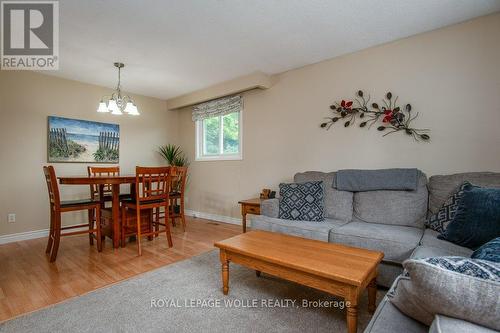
column 29, row 35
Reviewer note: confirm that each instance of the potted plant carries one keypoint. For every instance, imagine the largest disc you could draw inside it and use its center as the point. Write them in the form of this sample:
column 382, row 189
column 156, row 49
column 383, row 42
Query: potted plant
column 174, row 156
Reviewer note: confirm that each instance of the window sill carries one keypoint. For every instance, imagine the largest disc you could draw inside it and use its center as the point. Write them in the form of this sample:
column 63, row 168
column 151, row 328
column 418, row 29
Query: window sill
column 219, row 158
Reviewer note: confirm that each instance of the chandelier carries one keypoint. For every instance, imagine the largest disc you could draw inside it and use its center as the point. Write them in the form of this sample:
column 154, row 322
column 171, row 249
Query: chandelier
column 118, row 103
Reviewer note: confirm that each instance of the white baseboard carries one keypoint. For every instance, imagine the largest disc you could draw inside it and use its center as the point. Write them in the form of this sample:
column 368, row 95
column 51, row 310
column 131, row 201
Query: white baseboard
column 214, row 217
column 21, row 236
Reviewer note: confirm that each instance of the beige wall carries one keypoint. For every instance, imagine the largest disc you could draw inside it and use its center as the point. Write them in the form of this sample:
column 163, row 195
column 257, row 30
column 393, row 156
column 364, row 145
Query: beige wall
column 451, row 76
column 26, row 99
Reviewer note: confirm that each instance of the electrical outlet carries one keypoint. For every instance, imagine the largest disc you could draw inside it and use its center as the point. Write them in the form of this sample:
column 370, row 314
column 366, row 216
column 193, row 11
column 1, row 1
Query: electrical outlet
column 11, row 218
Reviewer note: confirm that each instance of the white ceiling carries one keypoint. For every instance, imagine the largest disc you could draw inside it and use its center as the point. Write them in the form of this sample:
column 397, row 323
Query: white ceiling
column 178, row 46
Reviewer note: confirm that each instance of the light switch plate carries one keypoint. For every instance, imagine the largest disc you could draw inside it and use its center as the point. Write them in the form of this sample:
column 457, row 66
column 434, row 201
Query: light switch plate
column 11, row 218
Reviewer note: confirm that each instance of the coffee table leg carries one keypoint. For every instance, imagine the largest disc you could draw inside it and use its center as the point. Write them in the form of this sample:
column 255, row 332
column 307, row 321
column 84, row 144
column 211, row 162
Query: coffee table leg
column 225, row 277
column 352, row 319
column 225, row 271
column 257, row 273
column 372, row 296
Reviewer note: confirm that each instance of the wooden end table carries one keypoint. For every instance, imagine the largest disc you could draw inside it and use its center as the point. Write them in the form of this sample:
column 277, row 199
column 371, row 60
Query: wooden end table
column 333, row 268
column 250, row 206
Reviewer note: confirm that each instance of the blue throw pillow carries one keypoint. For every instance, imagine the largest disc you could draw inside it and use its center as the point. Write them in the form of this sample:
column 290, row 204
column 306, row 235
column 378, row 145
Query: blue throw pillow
column 439, row 221
column 301, row 201
column 489, row 251
column 477, row 220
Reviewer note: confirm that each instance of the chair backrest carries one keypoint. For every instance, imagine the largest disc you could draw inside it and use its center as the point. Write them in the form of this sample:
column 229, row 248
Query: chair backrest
column 152, row 183
column 52, row 187
column 94, row 171
column 179, row 176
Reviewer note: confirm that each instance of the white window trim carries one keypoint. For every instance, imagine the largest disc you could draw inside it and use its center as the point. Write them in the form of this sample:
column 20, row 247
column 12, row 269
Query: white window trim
column 220, row 157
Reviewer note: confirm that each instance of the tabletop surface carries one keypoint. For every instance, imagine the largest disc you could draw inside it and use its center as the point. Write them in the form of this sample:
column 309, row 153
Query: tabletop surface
column 101, row 179
column 255, row 201
column 338, row 262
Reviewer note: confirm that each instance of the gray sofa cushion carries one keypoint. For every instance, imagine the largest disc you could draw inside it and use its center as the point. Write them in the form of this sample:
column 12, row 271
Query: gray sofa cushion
column 423, row 251
column 442, row 187
column 338, row 204
column 430, row 240
column 387, row 273
column 443, row 324
column 397, row 242
column 305, row 229
column 454, row 286
column 404, row 208
column 270, row 207
column 388, row 319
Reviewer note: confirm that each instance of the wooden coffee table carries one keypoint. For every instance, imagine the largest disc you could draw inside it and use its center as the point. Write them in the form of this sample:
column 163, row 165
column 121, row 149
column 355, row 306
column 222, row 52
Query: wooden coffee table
column 336, row 269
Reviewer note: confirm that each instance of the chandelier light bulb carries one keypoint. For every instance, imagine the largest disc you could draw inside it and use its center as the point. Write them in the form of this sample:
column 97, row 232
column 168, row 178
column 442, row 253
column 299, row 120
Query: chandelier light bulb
column 102, row 107
column 134, row 111
column 113, row 107
column 129, row 108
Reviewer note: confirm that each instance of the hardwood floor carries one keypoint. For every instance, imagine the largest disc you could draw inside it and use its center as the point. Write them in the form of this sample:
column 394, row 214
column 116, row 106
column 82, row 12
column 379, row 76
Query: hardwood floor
column 29, row 282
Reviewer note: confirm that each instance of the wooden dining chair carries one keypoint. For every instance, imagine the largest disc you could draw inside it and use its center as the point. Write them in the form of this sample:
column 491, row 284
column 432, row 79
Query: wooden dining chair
column 176, row 196
column 107, row 192
column 94, row 171
column 179, row 176
column 152, row 189
column 105, row 196
column 57, row 207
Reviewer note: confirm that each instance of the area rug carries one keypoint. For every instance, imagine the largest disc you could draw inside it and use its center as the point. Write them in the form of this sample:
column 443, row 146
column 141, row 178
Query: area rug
column 187, row 297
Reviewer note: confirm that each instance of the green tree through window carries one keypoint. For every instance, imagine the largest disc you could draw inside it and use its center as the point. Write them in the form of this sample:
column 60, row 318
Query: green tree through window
column 212, row 135
column 231, row 144
column 220, row 136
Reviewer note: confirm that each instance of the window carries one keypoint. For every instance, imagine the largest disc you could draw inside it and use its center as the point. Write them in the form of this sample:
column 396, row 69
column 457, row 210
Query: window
column 219, row 137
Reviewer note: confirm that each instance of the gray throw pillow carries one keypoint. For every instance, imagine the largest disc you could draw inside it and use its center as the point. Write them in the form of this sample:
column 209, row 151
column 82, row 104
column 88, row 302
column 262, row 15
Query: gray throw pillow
column 457, row 287
column 301, row 201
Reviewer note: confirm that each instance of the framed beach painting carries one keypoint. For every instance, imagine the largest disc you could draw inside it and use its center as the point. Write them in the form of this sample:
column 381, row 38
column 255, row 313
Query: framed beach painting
column 82, row 141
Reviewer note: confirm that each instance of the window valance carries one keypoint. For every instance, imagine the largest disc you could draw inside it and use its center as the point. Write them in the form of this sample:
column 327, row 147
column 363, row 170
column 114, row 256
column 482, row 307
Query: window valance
column 217, row 107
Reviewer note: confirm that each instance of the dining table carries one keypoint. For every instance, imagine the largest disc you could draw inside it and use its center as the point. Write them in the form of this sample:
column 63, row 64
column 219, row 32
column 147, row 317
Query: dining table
column 100, row 181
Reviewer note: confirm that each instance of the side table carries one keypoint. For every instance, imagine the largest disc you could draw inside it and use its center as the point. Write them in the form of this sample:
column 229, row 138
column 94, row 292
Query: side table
column 249, row 206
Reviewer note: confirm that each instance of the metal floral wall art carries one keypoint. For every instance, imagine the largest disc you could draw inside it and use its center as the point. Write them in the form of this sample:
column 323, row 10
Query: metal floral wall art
column 393, row 118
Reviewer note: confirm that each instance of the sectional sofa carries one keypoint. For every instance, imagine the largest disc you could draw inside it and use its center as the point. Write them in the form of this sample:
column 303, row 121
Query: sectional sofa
column 387, row 221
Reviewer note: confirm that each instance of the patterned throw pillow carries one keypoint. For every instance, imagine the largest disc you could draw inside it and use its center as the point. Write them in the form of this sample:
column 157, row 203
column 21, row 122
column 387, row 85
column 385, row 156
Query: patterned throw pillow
column 301, row 201
column 489, row 251
column 476, row 268
column 446, row 213
column 456, row 287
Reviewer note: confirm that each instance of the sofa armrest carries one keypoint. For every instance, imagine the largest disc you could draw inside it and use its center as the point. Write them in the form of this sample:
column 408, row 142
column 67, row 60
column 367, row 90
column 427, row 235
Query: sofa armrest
column 269, row 207
column 444, row 324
